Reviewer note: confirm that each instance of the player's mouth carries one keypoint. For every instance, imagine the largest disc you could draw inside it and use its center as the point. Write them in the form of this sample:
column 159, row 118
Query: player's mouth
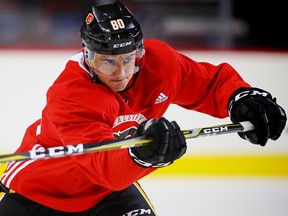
column 118, row 80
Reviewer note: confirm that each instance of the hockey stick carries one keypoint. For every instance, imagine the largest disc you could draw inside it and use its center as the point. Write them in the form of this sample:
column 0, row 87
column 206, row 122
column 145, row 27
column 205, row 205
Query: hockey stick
column 81, row 148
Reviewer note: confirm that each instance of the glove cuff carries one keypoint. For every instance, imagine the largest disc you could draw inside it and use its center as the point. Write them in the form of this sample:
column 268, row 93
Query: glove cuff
column 144, row 163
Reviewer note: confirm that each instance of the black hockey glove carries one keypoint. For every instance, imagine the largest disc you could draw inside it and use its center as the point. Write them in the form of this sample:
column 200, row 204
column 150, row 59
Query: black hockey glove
column 168, row 143
column 258, row 107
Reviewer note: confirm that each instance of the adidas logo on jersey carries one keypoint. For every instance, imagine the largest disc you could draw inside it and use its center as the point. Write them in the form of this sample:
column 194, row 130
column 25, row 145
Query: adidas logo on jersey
column 161, row 98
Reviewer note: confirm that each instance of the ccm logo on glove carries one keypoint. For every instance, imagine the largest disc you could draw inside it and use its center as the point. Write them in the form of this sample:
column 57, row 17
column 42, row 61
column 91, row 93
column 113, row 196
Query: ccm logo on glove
column 249, row 92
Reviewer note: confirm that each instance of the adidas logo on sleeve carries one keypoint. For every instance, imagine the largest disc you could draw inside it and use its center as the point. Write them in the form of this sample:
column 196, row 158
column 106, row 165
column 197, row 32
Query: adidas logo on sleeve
column 161, row 98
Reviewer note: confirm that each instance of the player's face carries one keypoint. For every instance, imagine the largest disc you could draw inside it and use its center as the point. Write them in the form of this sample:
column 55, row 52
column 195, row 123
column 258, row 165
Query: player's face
column 114, row 71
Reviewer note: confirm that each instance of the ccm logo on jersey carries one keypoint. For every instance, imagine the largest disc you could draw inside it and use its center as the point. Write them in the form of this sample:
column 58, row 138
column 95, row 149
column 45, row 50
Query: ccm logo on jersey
column 122, row 44
column 215, row 130
column 56, row 151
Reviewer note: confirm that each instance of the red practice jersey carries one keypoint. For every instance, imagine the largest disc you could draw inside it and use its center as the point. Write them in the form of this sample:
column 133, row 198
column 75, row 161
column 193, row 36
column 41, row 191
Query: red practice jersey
column 79, row 110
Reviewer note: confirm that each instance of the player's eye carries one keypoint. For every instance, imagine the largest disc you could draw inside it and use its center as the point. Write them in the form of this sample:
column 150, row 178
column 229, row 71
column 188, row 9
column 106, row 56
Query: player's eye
column 110, row 62
column 128, row 60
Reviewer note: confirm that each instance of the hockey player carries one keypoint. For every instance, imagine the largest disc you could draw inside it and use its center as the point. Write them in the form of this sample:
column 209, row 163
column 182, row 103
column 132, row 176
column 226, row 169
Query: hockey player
column 119, row 86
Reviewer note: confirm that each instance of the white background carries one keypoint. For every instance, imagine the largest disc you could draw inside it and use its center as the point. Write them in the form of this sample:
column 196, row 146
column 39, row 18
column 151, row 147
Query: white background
column 26, row 75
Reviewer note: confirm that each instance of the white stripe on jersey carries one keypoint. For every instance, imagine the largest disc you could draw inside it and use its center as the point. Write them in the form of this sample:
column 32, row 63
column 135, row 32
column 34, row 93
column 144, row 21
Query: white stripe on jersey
column 14, row 168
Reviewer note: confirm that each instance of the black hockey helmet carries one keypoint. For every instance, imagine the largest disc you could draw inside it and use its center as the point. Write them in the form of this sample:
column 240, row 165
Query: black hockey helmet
column 111, row 29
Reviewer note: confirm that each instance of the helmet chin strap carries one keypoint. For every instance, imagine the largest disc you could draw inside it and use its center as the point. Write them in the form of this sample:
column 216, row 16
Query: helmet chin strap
column 94, row 77
column 92, row 74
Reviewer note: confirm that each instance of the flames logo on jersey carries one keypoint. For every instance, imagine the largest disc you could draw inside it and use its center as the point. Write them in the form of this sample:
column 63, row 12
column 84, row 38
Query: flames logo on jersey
column 125, row 126
column 126, row 134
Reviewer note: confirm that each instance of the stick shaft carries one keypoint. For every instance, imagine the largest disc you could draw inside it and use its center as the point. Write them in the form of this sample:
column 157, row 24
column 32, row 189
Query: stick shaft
column 61, row 151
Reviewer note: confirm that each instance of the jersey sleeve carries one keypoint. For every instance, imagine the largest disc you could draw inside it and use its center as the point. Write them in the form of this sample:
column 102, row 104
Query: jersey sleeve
column 205, row 87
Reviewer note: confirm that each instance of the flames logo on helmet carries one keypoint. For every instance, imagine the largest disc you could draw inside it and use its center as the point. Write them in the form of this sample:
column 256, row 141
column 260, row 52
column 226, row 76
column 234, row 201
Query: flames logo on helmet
column 89, row 18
